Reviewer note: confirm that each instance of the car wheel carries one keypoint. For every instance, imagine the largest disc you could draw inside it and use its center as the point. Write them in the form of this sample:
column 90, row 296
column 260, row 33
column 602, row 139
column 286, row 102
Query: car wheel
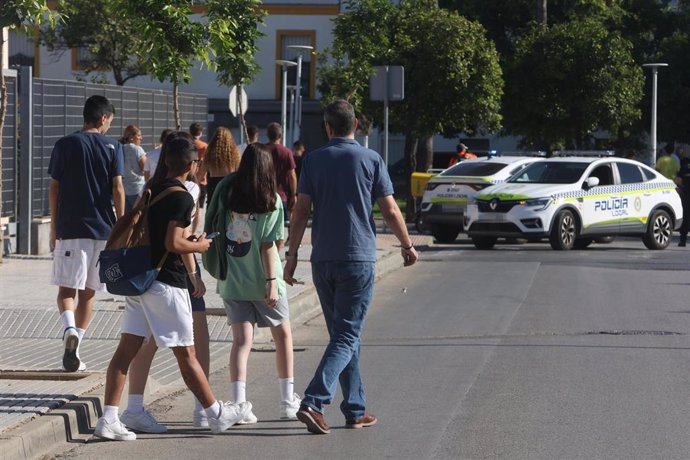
column 564, row 231
column 604, row 239
column 419, row 224
column 659, row 231
column 484, row 242
column 445, row 233
column 582, row 243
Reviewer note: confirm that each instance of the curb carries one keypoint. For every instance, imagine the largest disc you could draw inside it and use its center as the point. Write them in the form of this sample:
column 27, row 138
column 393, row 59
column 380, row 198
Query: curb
column 74, row 422
column 69, row 423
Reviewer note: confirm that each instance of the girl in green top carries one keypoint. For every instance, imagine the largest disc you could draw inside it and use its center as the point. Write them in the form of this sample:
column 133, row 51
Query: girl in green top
column 254, row 291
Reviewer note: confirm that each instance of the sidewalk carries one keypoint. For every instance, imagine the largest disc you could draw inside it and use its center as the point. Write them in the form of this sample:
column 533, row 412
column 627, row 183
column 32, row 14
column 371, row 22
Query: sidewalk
column 41, row 406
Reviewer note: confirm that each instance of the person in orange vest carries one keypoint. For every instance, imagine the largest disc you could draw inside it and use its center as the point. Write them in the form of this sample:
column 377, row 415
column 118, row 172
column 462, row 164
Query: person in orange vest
column 462, row 154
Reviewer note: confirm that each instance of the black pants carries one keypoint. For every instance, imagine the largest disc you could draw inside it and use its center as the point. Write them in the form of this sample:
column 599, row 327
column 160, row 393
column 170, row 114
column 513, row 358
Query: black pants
column 685, row 199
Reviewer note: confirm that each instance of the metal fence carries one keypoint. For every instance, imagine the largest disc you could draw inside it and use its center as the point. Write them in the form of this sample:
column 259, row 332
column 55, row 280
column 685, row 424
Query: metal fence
column 9, row 150
column 41, row 111
column 58, row 109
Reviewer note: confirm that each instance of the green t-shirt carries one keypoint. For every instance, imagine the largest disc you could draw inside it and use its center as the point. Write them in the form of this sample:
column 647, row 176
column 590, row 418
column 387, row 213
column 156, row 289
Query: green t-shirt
column 246, row 279
column 668, row 166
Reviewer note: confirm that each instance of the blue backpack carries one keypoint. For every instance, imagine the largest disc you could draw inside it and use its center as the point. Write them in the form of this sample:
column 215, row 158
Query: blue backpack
column 125, row 265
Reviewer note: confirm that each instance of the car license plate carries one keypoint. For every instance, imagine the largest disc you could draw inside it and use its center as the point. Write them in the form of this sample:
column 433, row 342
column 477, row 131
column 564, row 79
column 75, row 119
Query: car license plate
column 451, row 208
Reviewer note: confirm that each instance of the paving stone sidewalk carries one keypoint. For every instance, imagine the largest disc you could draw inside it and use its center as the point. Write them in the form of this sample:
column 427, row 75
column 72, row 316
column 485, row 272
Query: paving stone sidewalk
column 31, row 383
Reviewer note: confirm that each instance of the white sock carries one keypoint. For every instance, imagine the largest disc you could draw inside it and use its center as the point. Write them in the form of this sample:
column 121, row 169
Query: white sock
column 197, row 406
column 287, row 389
column 213, row 410
column 67, row 317
column 110, row 414
column 135, row 403
column 239, row 391
column 81, row 333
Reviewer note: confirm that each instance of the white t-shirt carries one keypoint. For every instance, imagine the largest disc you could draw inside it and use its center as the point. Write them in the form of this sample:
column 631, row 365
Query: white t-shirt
column 193, row 190
column 152, row 161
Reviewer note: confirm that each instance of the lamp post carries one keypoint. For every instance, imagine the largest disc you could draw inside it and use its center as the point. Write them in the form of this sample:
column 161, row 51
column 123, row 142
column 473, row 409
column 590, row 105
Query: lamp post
column 297, row 120
column 655, row 69
column 283, row 108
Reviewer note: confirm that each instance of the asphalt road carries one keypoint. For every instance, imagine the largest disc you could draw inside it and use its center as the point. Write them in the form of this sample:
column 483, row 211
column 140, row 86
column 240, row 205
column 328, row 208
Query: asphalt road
column 520, row 352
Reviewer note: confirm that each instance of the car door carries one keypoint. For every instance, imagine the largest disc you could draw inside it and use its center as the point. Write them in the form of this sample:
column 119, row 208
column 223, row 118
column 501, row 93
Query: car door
column 602, row 205
column 640, row 201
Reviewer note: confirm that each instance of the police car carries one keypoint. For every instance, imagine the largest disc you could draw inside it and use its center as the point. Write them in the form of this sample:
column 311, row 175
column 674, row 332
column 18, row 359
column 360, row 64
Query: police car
column 447, row 194
column 574, row 200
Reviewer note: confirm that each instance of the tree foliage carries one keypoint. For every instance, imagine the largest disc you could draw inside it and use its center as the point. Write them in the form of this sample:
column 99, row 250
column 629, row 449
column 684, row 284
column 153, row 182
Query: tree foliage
column 233, row 30
column 171, row 41
column 452, row 79
column 112, row 39
column 570, row 80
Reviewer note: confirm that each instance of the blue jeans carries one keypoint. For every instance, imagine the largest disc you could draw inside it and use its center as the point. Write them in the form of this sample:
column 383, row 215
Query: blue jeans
column 345, row 290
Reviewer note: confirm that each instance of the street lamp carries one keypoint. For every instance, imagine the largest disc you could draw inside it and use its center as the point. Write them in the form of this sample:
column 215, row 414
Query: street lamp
column 297, row 121
column 283, row 108
column 655, row 69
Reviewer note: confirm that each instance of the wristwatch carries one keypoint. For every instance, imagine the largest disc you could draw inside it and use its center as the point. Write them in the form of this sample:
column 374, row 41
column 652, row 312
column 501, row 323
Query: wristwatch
column 290, row 256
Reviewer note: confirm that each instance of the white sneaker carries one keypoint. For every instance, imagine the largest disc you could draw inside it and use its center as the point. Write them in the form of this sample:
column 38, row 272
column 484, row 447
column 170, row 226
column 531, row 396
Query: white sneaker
column 142, row 421
column 230, row 414
column 70, row 360
column 288, row 409
column 115, row 431
column 248, row 419
column 200, row 419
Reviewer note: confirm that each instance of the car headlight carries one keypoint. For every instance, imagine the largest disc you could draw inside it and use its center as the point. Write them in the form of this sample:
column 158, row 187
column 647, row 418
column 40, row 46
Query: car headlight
column 539, row 204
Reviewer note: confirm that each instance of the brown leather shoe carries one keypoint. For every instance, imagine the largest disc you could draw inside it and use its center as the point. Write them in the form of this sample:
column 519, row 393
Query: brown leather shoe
column 361, row 422
column 313, row 419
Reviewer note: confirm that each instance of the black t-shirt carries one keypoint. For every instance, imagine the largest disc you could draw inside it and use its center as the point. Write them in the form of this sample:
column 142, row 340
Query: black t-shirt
column 175, row 207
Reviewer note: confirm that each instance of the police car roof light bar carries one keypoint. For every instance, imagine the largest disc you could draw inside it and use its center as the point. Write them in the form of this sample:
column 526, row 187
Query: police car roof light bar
column 583, row 153
column 522, row 153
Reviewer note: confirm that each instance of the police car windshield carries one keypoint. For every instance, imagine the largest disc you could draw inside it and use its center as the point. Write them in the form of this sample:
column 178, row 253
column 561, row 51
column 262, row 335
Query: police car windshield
column 473, row 168
column 546, row 172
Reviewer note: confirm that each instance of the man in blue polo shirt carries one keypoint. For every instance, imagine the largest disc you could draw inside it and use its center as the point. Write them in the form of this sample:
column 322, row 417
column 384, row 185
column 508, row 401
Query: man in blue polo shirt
column 86, row 171
column 342, row 180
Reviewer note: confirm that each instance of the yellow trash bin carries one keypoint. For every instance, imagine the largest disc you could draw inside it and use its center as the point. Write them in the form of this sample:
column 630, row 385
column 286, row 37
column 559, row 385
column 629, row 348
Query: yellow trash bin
column 418, row 183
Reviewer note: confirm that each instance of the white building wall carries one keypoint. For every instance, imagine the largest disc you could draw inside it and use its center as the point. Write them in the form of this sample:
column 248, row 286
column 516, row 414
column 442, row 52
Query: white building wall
column 58, row 65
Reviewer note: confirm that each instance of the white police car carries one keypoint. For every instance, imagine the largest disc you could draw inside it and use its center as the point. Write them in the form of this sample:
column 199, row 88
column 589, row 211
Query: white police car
column 447, row 194
column 573, row 201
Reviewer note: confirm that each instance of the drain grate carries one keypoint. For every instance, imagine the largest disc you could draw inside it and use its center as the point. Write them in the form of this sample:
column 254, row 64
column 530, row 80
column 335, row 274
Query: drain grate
column 634, row 332
column 43, row 375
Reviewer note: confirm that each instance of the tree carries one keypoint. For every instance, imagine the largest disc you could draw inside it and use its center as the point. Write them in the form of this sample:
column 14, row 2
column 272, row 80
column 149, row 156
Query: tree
column 233, row 29
column 112, row 40
column 170, row 41
column 20, row 14
column 568, row 81
column 453, row 80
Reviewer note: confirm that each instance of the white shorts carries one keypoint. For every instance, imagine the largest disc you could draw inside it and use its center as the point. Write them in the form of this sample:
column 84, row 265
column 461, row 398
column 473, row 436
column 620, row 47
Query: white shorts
column 75, row 264
column 164, row 312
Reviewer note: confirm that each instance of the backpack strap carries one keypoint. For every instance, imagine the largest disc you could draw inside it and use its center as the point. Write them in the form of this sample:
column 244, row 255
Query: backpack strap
column 165, row 193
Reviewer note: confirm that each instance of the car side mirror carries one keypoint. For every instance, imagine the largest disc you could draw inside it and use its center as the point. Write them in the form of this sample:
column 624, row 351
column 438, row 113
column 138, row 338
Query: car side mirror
column 591, row 182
